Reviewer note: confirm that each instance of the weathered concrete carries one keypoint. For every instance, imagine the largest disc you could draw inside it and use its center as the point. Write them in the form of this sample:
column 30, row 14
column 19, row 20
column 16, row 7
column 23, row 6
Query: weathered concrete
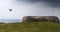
column 40, row 19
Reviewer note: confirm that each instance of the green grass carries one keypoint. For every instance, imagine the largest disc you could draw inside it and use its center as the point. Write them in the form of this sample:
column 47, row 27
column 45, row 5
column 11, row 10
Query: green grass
column 30, row 27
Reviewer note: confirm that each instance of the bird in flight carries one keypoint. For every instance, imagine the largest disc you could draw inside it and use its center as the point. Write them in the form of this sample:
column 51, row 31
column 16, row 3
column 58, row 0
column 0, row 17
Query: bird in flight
column 10, row 9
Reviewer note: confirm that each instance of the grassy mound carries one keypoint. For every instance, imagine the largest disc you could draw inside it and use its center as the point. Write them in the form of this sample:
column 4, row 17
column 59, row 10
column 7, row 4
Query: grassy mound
column 30, row 27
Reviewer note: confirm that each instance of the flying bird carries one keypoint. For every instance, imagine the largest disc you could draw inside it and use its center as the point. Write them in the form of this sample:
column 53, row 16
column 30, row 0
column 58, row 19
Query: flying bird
column 10, row 9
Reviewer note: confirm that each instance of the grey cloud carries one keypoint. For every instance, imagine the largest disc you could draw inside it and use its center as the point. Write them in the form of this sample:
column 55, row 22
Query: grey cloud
column 29, row 0
column 51, row 3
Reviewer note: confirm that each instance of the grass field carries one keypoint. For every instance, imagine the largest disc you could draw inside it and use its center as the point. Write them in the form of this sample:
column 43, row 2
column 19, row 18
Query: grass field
column 30, row 27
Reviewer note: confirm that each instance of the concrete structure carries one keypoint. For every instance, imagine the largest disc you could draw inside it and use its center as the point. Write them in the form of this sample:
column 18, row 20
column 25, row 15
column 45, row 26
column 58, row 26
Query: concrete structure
column 40, row 19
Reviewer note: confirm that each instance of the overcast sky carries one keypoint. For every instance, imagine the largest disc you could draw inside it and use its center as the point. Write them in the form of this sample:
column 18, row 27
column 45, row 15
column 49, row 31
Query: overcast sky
column 22, row 8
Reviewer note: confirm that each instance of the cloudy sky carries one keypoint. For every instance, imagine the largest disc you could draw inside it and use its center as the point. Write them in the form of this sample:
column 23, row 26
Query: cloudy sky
column 22, row 8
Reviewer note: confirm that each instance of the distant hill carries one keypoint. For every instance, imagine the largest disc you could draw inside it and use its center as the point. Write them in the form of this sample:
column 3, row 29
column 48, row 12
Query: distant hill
column 9, row 20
